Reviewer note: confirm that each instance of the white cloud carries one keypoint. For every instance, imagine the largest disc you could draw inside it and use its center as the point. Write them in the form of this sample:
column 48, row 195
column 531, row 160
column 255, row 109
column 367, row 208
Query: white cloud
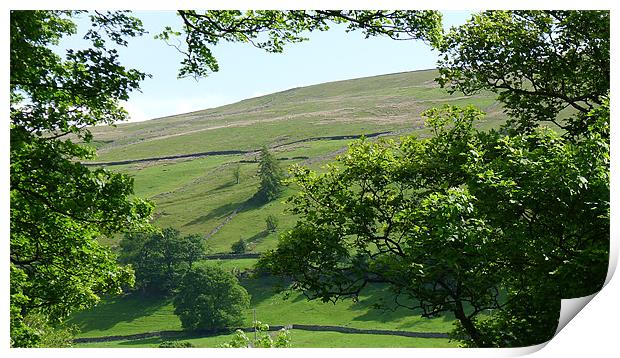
column 136, row 114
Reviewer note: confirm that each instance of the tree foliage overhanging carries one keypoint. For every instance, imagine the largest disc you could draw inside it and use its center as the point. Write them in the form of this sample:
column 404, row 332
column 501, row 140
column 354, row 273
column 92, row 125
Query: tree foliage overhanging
column 544, row 65
column 464, row 222
column 59, row 207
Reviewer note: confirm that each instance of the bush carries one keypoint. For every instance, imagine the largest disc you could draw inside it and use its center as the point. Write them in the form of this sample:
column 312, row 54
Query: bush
column 272, row 223
column 263, row 339
column 175, row 344
column 210, row 298
column 239, row 247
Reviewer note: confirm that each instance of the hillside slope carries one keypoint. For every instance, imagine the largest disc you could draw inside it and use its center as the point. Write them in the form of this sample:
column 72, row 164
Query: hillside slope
column 196, row 193
column 365, row 105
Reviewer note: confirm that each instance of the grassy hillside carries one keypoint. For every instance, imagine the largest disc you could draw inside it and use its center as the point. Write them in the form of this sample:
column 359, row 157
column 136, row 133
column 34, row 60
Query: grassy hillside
column 365, row 105
column 199, row 194
column 195, row 195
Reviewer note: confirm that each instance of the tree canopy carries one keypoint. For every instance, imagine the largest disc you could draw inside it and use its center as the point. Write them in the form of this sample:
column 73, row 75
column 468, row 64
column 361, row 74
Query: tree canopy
column 59, row 207
column 545, row 66
column 271, row 30
column 210, row 298
column 464, row 222
column 160, row 259
column 271, row 176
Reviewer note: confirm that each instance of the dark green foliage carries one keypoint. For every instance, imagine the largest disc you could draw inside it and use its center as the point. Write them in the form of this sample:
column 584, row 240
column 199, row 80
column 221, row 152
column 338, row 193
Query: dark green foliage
column 175, row 344
column 271, row 30
column 538, row 62
column 210, row 298
column 272, row 223
column 270, row 175
column 58, row 206
column 464, row 222
column 239, row 247
column 160, row 259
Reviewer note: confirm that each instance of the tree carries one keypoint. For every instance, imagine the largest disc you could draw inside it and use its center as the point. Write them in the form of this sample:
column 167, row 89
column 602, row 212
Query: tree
column 237, row 173
column 545, row 66
column 210, row 298
column 59, row 207
column 464, row 222
column 270, row 175
column 160, row 259
column 272, row 223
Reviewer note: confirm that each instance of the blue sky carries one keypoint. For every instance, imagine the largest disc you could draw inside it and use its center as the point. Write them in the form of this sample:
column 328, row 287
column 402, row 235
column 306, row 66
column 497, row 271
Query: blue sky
column 246, row 71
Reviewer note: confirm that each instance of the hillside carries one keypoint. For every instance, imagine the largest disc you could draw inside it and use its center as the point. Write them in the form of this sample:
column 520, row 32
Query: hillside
column 365, row 105
column 307, row 126
column 196, row 192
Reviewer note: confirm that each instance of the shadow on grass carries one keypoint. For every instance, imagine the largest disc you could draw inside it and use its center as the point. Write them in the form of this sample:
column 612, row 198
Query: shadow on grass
column 379, row 306
column 223, row 186
column 252, row 203
column 264, row 288
column 117, row 309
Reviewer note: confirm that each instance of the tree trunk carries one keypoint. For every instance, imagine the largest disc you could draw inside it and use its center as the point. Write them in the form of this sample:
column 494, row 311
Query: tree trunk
column 468, row 325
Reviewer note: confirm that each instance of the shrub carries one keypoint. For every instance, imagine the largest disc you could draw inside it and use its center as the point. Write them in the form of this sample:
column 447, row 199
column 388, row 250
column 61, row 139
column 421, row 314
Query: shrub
column 263, row 339
column 272, row 223
column 239, row 247
column 175, row 344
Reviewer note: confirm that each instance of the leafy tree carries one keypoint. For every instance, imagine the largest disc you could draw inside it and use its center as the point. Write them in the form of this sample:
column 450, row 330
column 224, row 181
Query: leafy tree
column 239, row 247
column 540, row 63
column 263, row 340
column 272, row 223
column 270, row 175
column 52, row 335
column 210, row 298
column 160, row 259
column 463, row 222
column 59, row 207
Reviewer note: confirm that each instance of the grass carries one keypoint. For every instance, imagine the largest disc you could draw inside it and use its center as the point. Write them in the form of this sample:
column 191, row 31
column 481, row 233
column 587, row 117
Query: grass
column 126, row 315
column 134, row 314
column 364, row 105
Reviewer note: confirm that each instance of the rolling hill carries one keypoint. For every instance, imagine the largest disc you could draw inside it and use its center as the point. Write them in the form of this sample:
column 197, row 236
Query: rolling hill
column 185, row 163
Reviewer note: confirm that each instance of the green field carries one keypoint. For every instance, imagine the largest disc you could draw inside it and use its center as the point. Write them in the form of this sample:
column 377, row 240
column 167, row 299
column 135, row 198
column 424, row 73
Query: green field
column 135, row 314
column 196, row 195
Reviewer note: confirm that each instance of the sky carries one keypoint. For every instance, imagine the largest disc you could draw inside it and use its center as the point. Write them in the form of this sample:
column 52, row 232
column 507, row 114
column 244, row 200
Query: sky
column 247, row 72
